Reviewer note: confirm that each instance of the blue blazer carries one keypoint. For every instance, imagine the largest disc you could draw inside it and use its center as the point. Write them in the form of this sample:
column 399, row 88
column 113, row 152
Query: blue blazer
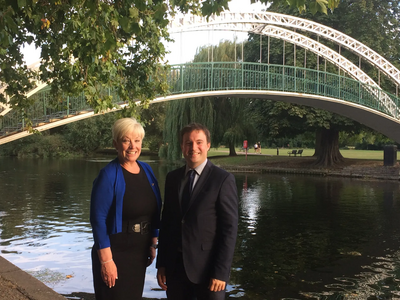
column 107, row 201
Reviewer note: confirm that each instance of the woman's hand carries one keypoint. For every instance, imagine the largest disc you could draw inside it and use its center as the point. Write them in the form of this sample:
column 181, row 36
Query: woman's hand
column 109, row 273
column 108, row 268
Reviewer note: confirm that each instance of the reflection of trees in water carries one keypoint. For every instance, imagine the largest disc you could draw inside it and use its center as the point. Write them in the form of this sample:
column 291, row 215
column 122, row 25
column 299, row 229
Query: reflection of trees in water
column 293, row 225
column 38, row 193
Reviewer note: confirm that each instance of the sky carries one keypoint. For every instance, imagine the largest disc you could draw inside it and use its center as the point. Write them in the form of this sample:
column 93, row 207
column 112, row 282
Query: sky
column 186, row 44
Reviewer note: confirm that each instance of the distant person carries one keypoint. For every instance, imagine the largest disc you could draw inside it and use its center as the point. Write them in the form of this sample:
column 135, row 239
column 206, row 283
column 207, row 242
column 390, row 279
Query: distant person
column 255, row 148
column 124, row 214
column 259, row 147
column 199, row 224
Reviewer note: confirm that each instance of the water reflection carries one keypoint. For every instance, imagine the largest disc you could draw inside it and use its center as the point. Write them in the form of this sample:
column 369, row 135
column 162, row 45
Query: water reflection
column 299, row 237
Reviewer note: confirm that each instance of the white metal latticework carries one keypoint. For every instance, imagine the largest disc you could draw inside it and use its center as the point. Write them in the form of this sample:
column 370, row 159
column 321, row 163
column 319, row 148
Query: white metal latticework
column 250, row 21
column 333, row 57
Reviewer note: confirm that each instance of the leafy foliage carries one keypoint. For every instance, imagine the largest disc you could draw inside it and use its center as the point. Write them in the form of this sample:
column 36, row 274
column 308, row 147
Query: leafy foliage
column 153, row 120
column 226, row 118
column 38, row 145
column 372, row 22
column 91, row 134
column 89, row 45
column 313, row 6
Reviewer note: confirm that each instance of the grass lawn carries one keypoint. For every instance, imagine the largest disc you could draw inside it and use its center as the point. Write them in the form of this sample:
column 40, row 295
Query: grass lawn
column 355, row 154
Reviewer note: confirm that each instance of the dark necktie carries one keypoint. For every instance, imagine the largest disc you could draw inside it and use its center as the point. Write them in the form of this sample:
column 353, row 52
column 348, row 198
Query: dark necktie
column 187, row 190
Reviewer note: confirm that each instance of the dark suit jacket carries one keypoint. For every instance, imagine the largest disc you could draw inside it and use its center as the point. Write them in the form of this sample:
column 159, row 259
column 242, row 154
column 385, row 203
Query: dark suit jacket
column 207, row 230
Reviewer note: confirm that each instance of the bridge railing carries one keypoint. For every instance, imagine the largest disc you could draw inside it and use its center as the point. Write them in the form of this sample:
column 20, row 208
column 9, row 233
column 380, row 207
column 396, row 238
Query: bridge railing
column 200, row 77
column 213, row 76
column 46, row 110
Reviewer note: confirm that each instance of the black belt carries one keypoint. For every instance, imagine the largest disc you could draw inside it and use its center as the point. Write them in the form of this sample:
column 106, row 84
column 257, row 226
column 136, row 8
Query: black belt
column 134, row 227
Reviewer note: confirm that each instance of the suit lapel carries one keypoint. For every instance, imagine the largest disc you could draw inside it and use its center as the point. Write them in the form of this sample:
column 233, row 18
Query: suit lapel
column 179, row 179
column 201, row 182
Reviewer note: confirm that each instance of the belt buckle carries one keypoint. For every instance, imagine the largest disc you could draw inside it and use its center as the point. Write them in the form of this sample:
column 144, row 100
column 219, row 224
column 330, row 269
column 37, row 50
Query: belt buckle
column 145, row 226
column 136, row 228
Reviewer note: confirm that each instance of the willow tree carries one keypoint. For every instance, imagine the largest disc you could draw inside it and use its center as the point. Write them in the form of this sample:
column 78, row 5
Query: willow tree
column 225, row 117
column 180, row 113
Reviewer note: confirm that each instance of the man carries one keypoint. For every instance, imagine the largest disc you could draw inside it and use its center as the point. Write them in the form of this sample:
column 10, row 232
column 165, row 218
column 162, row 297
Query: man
column 199, row 224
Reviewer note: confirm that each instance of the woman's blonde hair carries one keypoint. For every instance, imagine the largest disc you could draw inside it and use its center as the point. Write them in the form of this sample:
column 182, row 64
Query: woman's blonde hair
column 122, row 126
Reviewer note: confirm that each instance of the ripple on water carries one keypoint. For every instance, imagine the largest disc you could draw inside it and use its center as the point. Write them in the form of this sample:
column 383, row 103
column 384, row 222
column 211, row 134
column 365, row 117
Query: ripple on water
column 381, row 282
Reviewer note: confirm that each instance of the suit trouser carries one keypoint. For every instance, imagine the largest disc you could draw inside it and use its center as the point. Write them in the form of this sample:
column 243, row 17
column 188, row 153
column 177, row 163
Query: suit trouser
column 181, row 288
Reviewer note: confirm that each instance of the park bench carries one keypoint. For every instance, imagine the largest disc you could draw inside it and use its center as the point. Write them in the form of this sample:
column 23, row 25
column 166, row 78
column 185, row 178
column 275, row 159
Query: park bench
column 296, row 152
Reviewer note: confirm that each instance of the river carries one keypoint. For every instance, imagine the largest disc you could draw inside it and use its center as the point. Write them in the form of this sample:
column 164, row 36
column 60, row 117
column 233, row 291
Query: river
column 300, row 237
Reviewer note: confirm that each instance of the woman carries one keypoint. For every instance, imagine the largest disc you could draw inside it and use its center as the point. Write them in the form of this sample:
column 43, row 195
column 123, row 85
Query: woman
column 124, row 214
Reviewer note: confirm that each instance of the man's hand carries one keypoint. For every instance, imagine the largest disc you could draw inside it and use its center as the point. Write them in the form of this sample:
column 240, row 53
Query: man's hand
column 152, row 256
column 161, row 278
column 216, row 285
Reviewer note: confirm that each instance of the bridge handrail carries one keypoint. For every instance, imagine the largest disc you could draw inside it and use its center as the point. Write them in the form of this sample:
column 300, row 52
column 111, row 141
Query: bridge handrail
column 339, row 78
column 214, row 76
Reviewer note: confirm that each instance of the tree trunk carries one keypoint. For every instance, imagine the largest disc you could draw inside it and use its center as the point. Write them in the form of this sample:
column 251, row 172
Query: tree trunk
column 329, row 154
column 318, row 135
column 232, row 151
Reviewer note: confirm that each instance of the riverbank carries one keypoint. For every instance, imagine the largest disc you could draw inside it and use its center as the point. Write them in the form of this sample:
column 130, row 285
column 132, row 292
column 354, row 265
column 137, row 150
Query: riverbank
column 355, row 168
column 16, row 284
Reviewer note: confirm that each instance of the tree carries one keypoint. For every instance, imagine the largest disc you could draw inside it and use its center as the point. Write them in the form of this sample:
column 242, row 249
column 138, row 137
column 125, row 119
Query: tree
column 180, row 113
column 225, row 117
column 89, row 45
column 90, row 134
column 153, row 119
column 372, row 22
column 281, row 119
column 313, row 6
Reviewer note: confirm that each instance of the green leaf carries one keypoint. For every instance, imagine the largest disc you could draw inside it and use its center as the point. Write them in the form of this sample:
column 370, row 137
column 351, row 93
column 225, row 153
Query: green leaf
column 314, row 7
column 135, row 28
column 133, row 13
column 332, row 4
column 21, row 3
column 322, row 2
column 11, row 24
column 114, row 22
column 124, row 24
column 322, row 6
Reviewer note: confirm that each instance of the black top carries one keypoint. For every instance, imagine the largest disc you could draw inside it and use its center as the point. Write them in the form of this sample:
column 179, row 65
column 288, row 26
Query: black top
column 140, row 203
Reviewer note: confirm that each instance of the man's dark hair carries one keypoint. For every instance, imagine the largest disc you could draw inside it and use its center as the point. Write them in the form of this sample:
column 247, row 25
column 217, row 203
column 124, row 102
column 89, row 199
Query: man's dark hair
column 194, row 127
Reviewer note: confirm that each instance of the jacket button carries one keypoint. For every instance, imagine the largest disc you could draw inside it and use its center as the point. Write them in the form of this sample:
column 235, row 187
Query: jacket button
column 183, row 221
